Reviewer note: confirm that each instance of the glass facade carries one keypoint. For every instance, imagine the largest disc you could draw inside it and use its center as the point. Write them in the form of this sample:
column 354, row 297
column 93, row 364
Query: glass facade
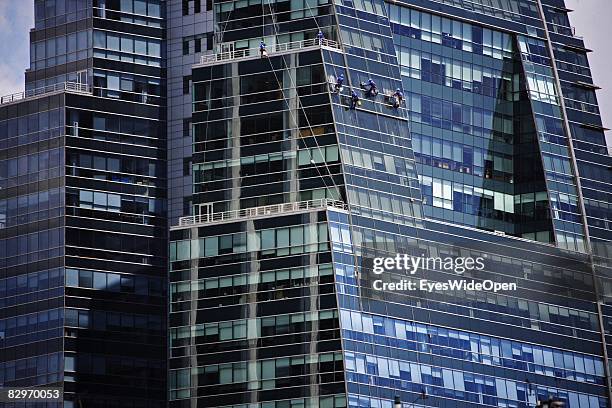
column 32, row 245
column 83, row 208
column 200, row 201
column 301, row 183
column 298, row 354
column 470, row 122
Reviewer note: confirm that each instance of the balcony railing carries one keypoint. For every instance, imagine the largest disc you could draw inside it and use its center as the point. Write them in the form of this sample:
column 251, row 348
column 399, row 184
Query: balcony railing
column 62, row 86
column 263, row 211
column 281, row 48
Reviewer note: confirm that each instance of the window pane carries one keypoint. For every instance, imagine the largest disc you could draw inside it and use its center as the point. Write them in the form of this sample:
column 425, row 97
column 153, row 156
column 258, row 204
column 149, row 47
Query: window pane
column 127, row 44
column 72, row 277
column 140, row 46
column 82, row 40
column 267, row 239
column 85, row 279
column 99, row 199
column 113, row 282
column 99, row 280
column 140, row 7
column 154, row 9
column 112, row 42
column 99, row 39
column 126, row 6
column 154, row 49
column 113, row 82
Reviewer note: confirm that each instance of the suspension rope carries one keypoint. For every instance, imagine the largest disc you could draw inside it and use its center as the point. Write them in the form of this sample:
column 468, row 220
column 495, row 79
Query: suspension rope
column 301, row 106
column 311, row 132
column 333, row 65
column 226, row 22
column 193, row 137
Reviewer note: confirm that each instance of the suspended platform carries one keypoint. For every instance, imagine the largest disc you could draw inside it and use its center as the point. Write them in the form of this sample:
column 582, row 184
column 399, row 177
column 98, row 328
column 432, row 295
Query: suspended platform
column 266, row 211
column 271, row 51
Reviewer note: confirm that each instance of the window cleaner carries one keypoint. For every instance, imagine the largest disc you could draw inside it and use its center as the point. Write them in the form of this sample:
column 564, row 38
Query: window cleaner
column 372, row 90
column 354, row 100
column 339, row 82
column 262, row 49
column 398, row 97
column 320, row 37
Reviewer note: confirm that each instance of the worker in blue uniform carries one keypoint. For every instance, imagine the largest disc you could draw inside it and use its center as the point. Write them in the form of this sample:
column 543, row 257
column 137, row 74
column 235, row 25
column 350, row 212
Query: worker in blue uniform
column 339, row 82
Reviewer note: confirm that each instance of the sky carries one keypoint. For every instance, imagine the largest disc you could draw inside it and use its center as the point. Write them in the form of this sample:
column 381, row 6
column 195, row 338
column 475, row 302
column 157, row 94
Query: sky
column 16, row 19
column 592, row 19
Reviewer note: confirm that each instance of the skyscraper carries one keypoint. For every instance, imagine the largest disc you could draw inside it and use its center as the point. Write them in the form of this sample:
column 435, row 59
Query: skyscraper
column 480, row 143
column 257, row 204
column 83, row 196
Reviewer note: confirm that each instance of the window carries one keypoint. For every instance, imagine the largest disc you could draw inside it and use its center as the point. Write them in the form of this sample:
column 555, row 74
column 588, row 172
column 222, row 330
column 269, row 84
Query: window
column 196, row 4
column 186, row 84
column 114, row 202
column 113, row 164
column 112, row 42
column 99, row 39
column 226, row 244
column 71, row 317
column 140, row 46
column 81, row 40
column 85, row 279
column 127, row 85
column 127, row 6
column 154, row 48
column 99, row 280
column 154, row 9
column 99, row 201
column 72, row 277
column 187, row 127
column 186, row 166
column 209, row 41
column 127, row 284
column 211, row 247
column 83, row 318
column 140, row 7
column 69, row 363
column 113, row 282
column 127, row 44
column 113, row 82
column 85, row 199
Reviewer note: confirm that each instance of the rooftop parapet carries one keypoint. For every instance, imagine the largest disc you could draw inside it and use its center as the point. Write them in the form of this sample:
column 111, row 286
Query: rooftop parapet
column 75, row 87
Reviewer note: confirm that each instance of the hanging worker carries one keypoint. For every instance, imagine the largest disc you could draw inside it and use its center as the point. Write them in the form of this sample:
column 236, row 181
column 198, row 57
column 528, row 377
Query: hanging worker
column 398, row 98
column 372, row 91
column 354, row 100
column 262, row 49
column 320, row 37
column 339, row 82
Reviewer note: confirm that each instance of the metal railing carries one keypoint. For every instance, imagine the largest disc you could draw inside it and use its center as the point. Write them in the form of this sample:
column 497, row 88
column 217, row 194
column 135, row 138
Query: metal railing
column 263, row 211
column 62, row 86
column 275, row 49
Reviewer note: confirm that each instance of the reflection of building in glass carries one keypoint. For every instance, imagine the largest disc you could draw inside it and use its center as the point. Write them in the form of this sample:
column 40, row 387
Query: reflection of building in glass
column 300, row 178
column 276, row 147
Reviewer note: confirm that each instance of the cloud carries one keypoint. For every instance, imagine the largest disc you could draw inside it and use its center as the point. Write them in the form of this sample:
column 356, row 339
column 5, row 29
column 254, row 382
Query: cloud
column 16, row 18
column 15, row 14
